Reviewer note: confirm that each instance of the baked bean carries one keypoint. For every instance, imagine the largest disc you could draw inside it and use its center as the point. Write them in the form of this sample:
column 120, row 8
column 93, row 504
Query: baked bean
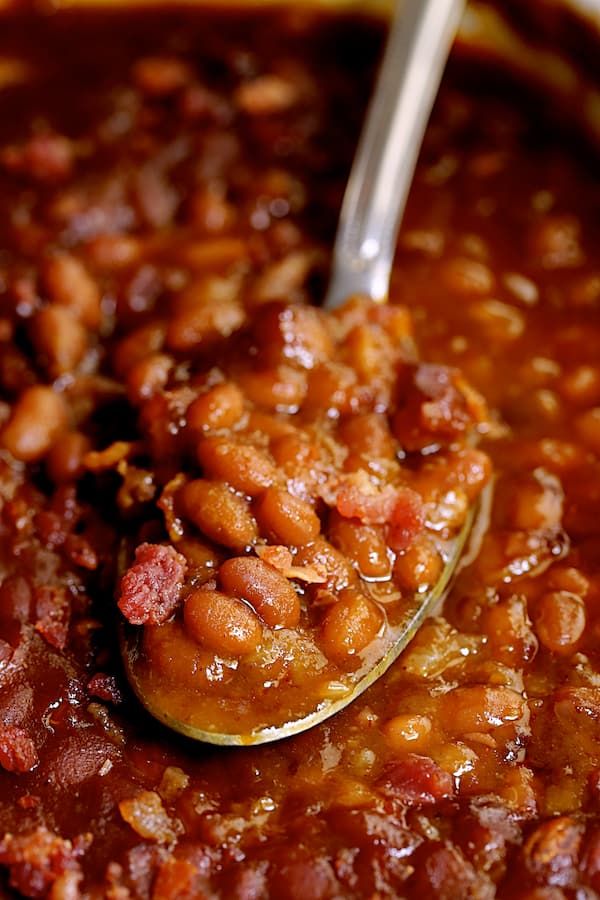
column 330, row 390
column 148, row 376
column 221, row 623
column 537, row 503
column 419, row 566
column 37, row 419
column 509, row 631
column 218, row 512
column 368, row 435
column 160, row 76
column 113, row 252
column 65, row 458
column 559, row 619
column 350, row 625
column 69, row 284
column 497, row 321
column 266, row 95
column 292, row 334
column 282, row 388
column 555, row 242
column 294, row 452
column 369, row 352
column 138, row 344
column 243, row 466
column 363, row 544
column 59, row 339
column 173, row 653
column 480, row 708
column 219, row 407
column 568, row 578
column 270, row 593
column 406, row 732
column 202, row 560
column 324, row 556
column 581, row 385
column 286, row 519
column 587, row 426
column 203, row 323
column 467, row 277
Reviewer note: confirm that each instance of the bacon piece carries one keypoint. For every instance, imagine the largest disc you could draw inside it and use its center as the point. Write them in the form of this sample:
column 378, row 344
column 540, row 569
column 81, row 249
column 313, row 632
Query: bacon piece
column 53, row 612
column 151, row 588
column 440, row 406
column 17, row 750
column 400, row 508
column 148, row 817
column 105, row 687
column 38, row 859
column 407, row 519
column 281, row 559
column 416, row 780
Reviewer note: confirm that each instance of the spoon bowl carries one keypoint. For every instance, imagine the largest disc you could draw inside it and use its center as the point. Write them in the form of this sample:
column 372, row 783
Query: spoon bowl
column 417, row 48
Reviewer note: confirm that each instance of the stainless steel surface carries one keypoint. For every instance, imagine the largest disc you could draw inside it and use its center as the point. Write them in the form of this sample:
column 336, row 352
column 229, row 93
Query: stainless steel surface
column 419, row 42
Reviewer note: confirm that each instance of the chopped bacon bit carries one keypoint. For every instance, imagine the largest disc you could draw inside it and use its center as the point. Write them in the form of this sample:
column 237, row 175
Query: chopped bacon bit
column 359, row 498
column 399, row 507
column 416, row 780
column 37, row 860
column 440, row 406
column 281, row 559
column 151, row 588
column 407, row 519
column 17, row 750
column 100, row 460
column 175, row 878
column 53, row 612
column 147, row 816
column 105, row 687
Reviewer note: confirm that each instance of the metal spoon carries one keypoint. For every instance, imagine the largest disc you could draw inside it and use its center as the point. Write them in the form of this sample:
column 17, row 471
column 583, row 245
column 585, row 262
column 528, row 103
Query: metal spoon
column 419, row 42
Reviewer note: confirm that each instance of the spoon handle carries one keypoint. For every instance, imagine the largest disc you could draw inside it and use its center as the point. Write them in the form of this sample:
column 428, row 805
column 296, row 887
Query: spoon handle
column 418, row 45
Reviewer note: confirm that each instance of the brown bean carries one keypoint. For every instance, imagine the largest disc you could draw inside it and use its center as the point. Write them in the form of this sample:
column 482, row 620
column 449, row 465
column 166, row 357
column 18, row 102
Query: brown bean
column 148, row 376
column 203, row 325
column 218, row 512
column 292, row 334
column 59, row 339
column 65, row 459
column 363, row 544
column 246, row 468
column 282, row 388
column 270, row 593
column 587, row 426
column 286, row 519
column 480, row 709
column 350, row 625
column 323, row 555
column 37, row 418
column 559, row 620
column 406, row 732
column 368, row 435
column 219, row 407
column 69, row 284
column 220, row 623
column 138, row 344
column 418, row 566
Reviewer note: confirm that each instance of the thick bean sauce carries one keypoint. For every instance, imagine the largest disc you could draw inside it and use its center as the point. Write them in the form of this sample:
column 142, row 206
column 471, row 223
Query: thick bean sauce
column 259, row 488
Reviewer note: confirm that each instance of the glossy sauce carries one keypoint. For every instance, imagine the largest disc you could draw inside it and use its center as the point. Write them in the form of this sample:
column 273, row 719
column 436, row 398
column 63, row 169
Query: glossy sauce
column 473, row 767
